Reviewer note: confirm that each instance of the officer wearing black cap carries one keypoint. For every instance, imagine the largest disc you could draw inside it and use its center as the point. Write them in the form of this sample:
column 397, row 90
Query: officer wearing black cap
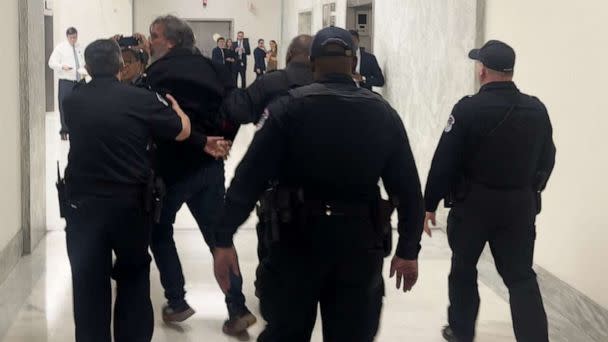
column 107, row 198
column 321, row 145
column 492, row 163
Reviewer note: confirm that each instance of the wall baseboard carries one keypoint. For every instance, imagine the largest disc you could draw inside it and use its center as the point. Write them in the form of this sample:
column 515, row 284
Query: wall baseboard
column 10, row 255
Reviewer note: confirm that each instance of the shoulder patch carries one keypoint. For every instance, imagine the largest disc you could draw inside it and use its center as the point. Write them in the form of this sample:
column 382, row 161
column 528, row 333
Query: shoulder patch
column 263, row 120
column 450, row 125
column 162, row 100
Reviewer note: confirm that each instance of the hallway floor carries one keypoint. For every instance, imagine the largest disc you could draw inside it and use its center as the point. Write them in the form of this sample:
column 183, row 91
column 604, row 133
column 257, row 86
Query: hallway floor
column 42, row 282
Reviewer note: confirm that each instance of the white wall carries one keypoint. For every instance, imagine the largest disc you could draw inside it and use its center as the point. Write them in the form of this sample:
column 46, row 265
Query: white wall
column 291, row 9
column 561, row 59
column 262, row 20
column 10, row 179
column 94, row 19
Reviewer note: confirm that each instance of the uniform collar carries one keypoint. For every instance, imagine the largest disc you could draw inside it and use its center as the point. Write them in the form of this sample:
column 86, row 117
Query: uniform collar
column 338, row 78
column 499, row 86
column 104, row 79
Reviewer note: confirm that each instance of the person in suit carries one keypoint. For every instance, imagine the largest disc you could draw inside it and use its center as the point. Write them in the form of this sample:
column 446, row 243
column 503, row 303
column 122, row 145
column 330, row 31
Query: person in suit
column 260, row 59
column 230, row 58
column 218, row 55
column 368, row 73
column 242, row 50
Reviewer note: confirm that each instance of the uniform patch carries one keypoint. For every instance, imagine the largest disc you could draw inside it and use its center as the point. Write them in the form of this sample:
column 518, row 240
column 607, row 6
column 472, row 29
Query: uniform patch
column 451, row 122
column 263, row 119
column 162, row 100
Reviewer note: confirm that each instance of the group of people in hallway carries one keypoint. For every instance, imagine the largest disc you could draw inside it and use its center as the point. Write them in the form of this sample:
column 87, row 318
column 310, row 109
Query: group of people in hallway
column 234, row 56
column 151, row 131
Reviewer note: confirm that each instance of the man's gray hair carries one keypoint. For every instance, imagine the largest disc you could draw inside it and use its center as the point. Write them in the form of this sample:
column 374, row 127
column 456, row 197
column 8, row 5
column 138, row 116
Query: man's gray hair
column 177, row 31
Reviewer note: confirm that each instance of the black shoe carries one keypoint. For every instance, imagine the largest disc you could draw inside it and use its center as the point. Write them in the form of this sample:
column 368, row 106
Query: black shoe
column 448, row 334
column 238, row 324
column 176, row 315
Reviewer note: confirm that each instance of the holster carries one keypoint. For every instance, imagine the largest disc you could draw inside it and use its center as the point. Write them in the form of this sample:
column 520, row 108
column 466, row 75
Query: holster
column 154, row 196
column 457, row 193
column 62, row 194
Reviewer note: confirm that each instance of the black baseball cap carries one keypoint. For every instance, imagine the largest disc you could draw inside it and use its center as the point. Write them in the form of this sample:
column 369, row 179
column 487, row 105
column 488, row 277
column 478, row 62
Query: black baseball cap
column 495, row 55
column 332, row 42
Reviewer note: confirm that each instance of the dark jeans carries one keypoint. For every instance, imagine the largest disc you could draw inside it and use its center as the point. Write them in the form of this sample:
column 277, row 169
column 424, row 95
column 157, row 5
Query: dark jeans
column 313, row 268
column 95, row 228
column 65, row 89
column 242, row 71
column 505, row 220
column 203, row 193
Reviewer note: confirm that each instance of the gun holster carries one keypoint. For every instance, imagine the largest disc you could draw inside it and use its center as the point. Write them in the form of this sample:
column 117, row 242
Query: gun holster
column 280, row 206
column 155, row 194
column 62, row 194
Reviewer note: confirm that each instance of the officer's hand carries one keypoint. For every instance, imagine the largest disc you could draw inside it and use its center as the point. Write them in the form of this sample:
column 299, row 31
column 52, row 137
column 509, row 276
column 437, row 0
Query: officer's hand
column 217, row 147
column 357, row 77
column 433, row 219
column 226, row 262
column 406, row 271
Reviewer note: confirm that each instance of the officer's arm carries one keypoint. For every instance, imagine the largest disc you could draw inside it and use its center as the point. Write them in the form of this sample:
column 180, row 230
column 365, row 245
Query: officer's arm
column 448, row 159
column 400, row 178
column 376, row 78
column 245, row 105
column 547, row 158
column 259, row 165
column 166, row 122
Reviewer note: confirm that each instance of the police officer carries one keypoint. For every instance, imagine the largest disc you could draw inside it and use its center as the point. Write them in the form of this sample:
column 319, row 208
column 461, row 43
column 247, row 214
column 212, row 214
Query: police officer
column 192, row 178
column 107, row 207
column 321, row 144
column 247, row 105
column 492, row 162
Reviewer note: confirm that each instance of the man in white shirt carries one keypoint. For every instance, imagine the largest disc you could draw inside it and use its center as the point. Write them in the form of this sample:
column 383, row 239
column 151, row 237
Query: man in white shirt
column 67, row 60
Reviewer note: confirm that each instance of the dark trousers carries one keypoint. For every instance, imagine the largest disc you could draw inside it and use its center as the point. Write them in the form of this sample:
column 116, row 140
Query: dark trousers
column 95, row 228
column 65, row 89
column 307, row 270
column 505, row 220
column 203, row 193
column 242, row 71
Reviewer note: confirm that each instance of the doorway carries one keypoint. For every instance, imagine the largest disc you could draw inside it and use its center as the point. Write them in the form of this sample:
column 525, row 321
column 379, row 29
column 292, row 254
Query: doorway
column 205, row 30
column 49, row 76
column 360, row 17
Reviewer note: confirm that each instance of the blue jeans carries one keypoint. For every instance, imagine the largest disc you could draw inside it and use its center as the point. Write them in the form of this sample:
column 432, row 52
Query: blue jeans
column 203, row 192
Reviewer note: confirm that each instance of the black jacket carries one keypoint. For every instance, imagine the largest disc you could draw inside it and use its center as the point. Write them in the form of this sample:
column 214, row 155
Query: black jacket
column 498, row 138
column 324, row 139
column 112, row 125
column 371, row 70
column 247, row 105
column 259, row 56
column 218, row 56
column 199, row 85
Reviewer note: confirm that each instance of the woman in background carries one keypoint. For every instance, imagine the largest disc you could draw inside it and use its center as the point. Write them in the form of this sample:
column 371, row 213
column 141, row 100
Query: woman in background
column 271, row 56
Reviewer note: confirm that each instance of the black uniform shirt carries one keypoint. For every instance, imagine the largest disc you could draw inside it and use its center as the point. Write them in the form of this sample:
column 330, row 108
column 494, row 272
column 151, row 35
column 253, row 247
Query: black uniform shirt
column 336, row 145
column 499, row 138
column 247, row 105
column 111, row 125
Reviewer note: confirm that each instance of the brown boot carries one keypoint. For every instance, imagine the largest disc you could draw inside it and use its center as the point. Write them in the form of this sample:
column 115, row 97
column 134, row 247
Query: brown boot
column 239, row 323
column 171, row 315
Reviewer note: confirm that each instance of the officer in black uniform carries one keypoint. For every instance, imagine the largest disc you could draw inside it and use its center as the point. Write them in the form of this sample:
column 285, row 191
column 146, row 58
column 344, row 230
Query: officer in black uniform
column 247, row 105
column 492, row 162
column 107, row 200
column 321, row 143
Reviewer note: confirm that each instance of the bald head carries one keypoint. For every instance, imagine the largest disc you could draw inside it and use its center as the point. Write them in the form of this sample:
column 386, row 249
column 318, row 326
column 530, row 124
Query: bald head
column 299, row 49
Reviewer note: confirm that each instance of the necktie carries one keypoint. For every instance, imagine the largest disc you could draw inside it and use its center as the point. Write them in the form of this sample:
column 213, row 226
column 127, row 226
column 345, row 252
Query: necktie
column 77, row 64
